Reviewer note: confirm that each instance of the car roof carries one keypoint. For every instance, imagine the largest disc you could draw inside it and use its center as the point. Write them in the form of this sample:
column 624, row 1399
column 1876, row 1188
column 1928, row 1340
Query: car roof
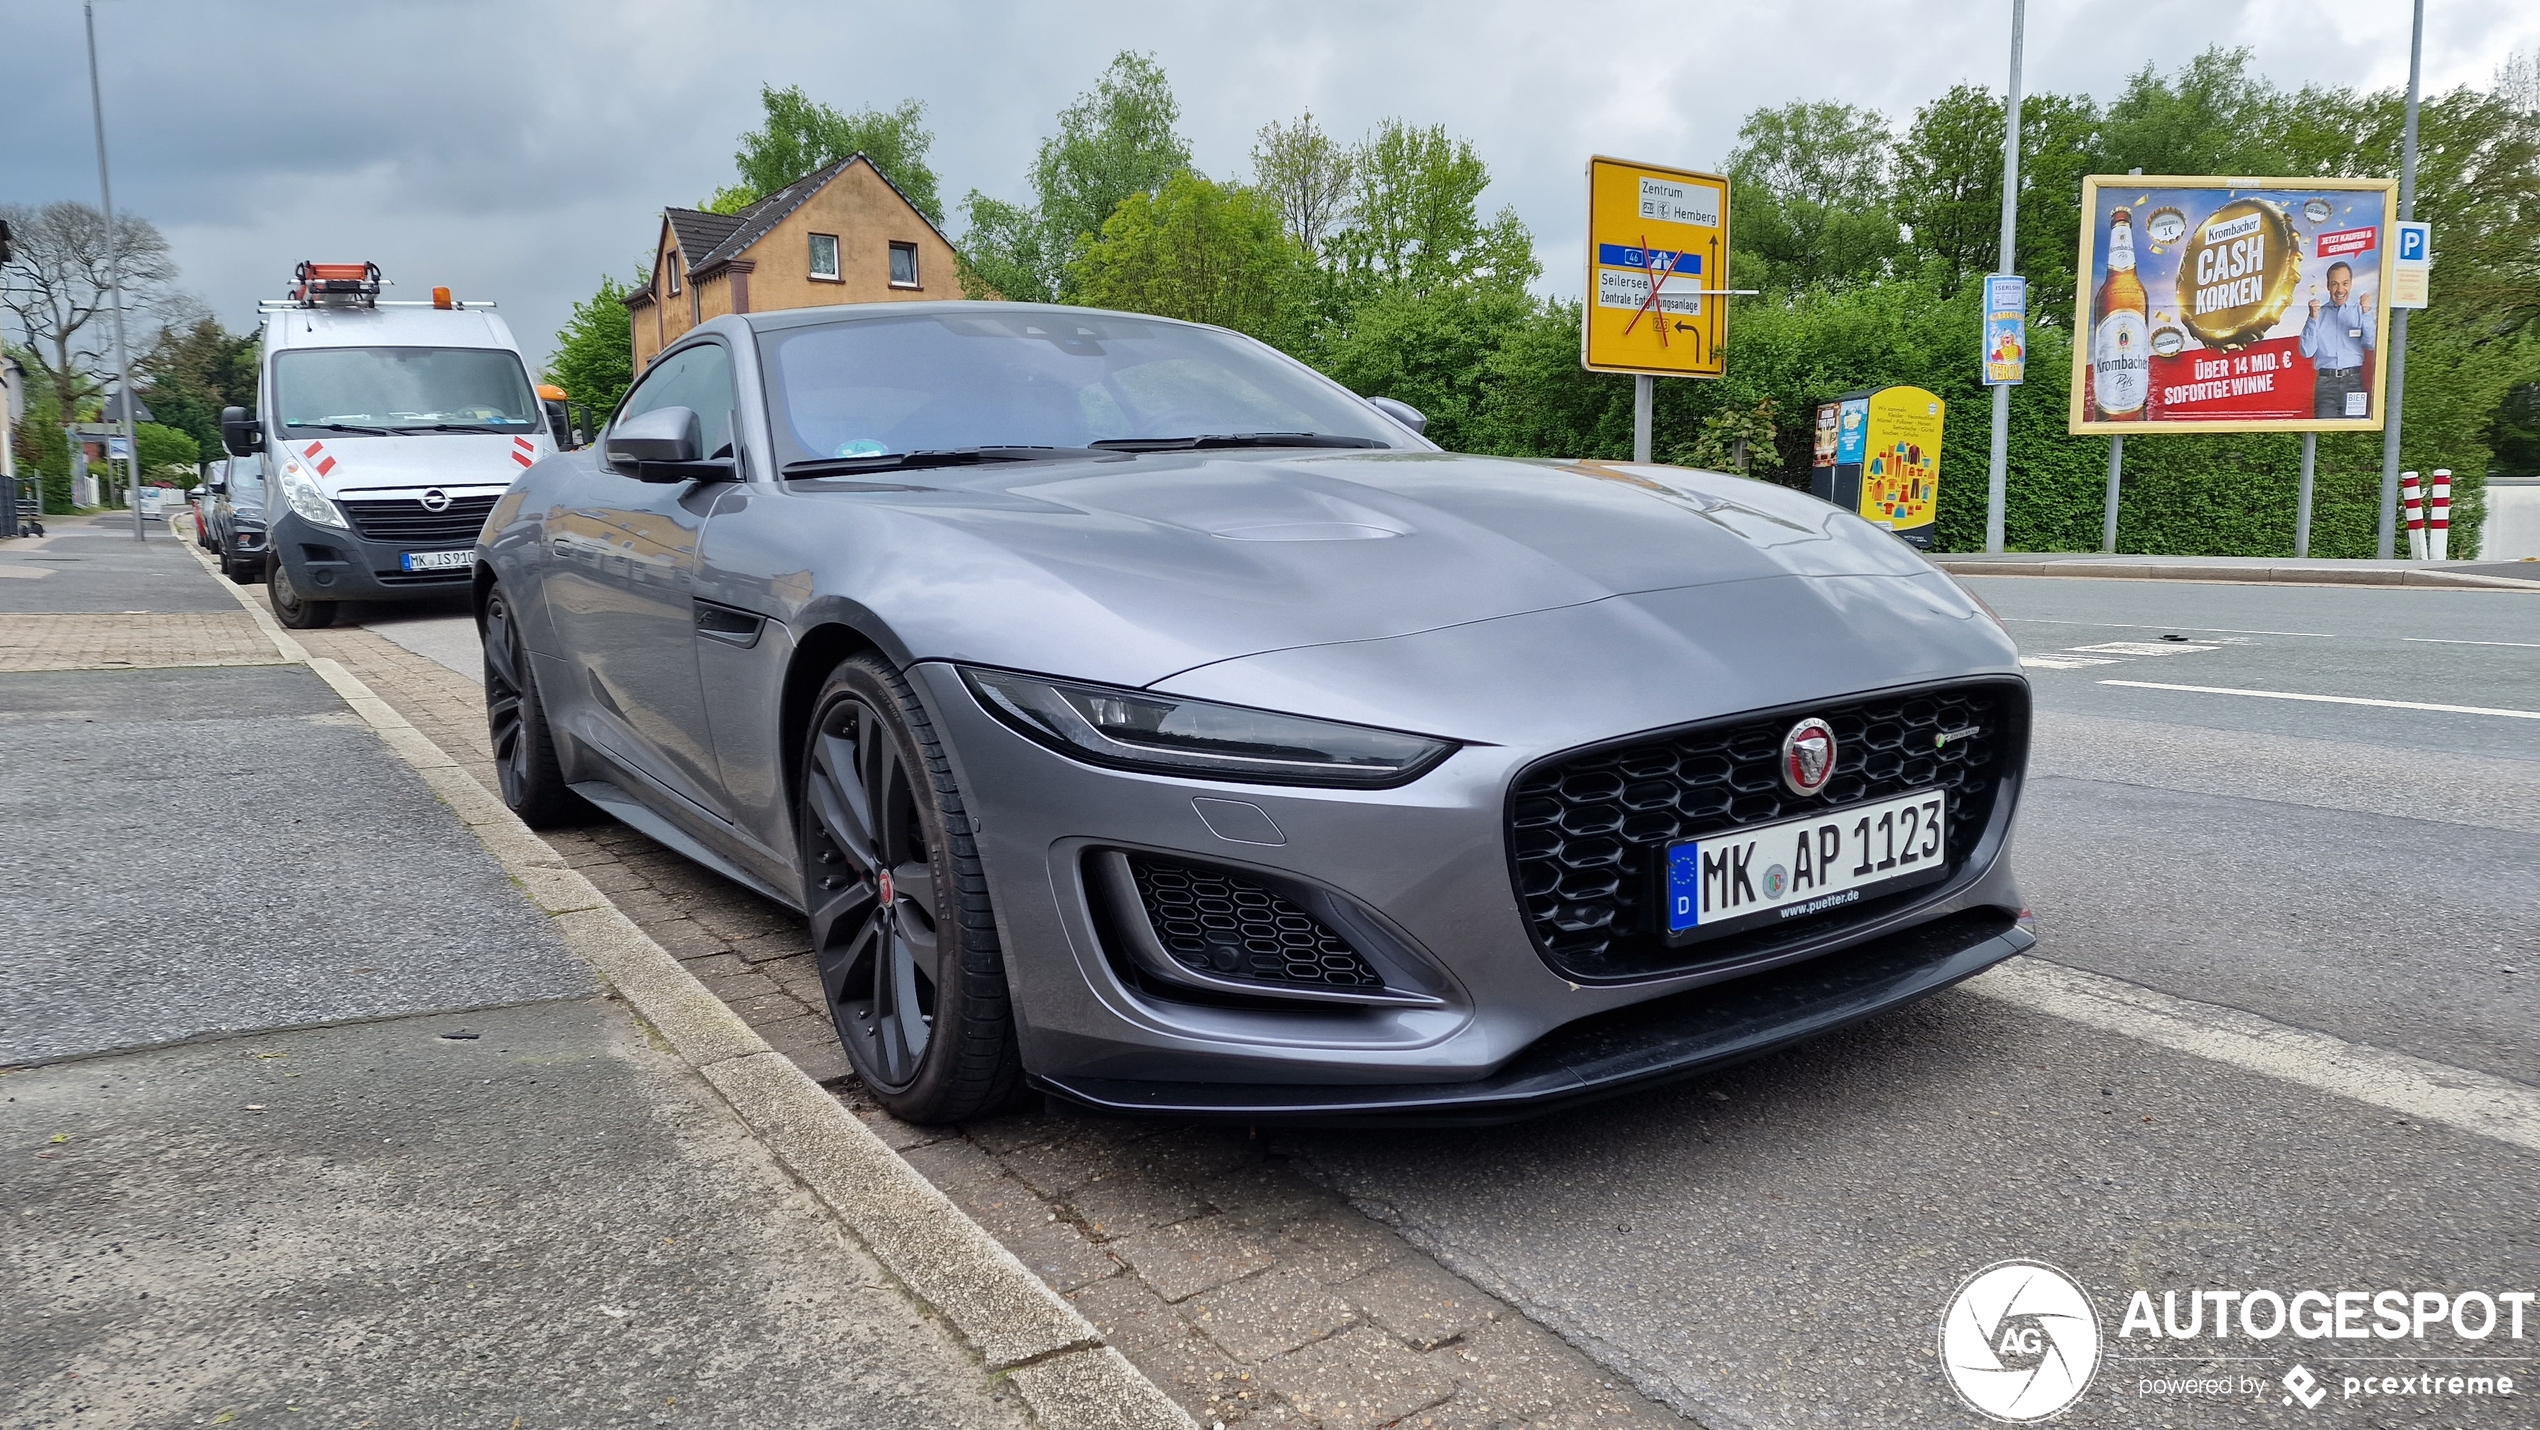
column 853, row 312
column 289, row 328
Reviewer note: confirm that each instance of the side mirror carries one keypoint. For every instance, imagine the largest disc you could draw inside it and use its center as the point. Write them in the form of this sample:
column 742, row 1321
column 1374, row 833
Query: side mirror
column 560, row 426
column 218, row 486
column 666, row 444
column 240, row 432
column 1402, row 412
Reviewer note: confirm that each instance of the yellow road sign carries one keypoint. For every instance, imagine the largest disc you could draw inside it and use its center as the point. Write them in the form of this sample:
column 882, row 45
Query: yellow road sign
column 1657, row 262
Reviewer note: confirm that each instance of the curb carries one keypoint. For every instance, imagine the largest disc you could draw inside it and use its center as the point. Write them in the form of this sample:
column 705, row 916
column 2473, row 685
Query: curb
column 1054, row 1357
column 2236, row 575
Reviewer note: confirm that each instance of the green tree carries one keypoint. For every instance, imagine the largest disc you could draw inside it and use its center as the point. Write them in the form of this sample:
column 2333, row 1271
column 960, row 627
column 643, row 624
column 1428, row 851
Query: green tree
column 1306, row 175
column 1949, row 186
column 801, row 135
column 1415, row 218
column 43, row 448
column 1206, row 252
column 594, row 354
column 195, row 372
column 1811, row 200
column 166, row 454
column 1115, row 141
column 1433, row 350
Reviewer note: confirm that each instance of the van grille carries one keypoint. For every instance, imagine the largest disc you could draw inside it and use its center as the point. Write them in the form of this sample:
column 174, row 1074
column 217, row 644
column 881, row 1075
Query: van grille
column 406, row 523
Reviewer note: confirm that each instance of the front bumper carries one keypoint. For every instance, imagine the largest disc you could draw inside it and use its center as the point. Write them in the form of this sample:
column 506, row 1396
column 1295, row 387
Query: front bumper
column 1500, row 1034
column 333, row 563
column 1643, row 1046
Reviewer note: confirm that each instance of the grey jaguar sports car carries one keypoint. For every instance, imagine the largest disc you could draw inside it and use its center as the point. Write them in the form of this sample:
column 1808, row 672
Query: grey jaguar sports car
column 1138, row 715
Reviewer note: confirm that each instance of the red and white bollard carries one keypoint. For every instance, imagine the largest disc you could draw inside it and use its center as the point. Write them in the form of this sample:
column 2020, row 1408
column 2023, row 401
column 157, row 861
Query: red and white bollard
column 2438, row 516
column 2414, row 501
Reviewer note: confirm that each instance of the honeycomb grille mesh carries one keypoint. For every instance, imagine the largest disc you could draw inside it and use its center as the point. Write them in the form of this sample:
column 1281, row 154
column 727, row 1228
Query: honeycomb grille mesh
column 1218, row 922
column 1589, row 832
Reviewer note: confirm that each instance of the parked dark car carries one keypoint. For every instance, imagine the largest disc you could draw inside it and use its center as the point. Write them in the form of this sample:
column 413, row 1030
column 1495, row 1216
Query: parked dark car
column 237, row 518
column 1139, row 714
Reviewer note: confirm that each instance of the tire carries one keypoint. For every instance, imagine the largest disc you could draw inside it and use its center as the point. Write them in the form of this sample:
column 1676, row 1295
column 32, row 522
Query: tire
column 516, row 719
column 288, row 606
column 901, row 928
column 242, row 572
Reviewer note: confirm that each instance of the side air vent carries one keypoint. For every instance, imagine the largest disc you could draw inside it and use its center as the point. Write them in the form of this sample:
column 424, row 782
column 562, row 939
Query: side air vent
column 1189, row 929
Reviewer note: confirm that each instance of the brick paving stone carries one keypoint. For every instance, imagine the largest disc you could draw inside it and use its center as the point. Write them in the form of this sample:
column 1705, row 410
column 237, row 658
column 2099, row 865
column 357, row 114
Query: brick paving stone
column 1202, row 1380
column 1421, row 1301
column 1335, row 1246
column 954, row 1165
column 1004, row 1206
column 1129, row 1315
column 685, row 939
column 112, row 641
column 1060, row 1255
column 1058, row 1167
column 1126, row 1203
column 1186, row 1258
column 707, row 967
column 1264, row 1196
column 613, row 877
column 1269, row 1315
column 1518, row 1370
column 1358, row 1380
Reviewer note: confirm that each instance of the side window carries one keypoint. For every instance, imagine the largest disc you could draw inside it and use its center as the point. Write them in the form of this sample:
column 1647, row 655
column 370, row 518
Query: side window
column 824, row 256
column 698, row 378
column 246, row 479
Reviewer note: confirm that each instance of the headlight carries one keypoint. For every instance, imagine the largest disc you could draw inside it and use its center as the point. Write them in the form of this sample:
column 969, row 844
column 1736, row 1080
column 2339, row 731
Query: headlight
column 301, row 490
column 1167, row 735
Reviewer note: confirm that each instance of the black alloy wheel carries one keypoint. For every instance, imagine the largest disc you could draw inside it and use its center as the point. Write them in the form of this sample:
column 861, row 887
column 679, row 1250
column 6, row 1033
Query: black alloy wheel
column 900, row 926
column 292, row 608
column 516, row 720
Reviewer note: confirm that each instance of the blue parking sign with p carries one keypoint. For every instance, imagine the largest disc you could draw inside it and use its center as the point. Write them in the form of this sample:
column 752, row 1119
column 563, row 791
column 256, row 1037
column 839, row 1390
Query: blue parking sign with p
column 2412, row 241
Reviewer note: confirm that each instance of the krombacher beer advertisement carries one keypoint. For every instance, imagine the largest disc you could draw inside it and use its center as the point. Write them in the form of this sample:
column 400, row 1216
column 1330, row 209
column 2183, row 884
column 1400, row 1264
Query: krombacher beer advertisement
column 2231, row 305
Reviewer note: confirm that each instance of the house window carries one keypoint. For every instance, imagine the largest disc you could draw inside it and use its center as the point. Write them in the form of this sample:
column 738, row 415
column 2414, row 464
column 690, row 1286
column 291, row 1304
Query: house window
column 904, row 265
column 673, row 266
column 824, row 256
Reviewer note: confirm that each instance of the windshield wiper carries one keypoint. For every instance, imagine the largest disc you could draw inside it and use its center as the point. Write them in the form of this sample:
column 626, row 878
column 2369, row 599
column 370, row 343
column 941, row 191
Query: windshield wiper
column 927, row 457
column 1235, row 439
column 453, row 427
column 343, row 427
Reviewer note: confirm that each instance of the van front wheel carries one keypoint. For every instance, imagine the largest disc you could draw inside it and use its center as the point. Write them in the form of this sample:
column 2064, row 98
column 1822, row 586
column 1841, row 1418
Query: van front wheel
column 292, row 608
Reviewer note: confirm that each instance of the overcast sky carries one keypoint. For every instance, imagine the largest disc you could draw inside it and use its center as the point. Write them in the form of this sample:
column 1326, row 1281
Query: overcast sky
column 517, row 149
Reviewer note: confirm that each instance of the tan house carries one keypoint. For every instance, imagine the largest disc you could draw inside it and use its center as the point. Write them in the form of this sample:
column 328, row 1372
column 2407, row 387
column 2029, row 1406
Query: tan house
column 843, row 234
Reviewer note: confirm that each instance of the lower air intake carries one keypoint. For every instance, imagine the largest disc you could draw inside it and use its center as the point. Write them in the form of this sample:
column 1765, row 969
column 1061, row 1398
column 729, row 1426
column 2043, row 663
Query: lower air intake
column 1218, row 922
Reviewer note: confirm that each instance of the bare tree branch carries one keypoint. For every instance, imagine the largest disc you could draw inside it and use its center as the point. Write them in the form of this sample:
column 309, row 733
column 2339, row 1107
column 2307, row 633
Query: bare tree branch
column 57, row 288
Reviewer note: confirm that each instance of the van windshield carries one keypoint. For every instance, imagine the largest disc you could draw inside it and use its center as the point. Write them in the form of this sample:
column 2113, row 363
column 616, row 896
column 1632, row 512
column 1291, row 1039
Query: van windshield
column 385, row 390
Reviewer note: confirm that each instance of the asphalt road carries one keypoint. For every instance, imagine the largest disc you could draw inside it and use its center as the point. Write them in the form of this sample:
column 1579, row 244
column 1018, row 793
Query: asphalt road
column 1774, row 1246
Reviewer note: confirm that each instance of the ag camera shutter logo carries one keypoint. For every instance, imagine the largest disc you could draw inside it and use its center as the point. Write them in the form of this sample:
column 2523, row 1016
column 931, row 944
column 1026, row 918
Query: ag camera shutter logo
column 2020, row 1341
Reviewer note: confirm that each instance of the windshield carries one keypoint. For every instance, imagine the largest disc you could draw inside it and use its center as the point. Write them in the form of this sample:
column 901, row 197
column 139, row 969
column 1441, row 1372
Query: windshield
column 403, row 390
column 875, row 386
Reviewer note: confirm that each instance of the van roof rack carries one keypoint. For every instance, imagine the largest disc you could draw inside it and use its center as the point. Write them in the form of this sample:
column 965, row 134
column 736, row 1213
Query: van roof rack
column 335, row 285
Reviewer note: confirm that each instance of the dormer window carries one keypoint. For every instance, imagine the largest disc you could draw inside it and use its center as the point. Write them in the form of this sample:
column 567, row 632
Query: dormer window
column 673, row 266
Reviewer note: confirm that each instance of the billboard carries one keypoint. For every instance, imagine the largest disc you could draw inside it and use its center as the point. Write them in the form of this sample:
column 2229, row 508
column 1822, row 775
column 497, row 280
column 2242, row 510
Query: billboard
column 2231, row 305
column 1878, row 454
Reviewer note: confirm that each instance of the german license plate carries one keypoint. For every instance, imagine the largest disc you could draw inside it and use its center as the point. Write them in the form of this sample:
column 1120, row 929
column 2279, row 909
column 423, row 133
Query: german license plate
column 1766, row 874
column 458, row 560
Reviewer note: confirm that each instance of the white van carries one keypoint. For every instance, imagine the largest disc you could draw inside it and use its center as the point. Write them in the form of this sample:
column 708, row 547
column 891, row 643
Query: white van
column 389, row 430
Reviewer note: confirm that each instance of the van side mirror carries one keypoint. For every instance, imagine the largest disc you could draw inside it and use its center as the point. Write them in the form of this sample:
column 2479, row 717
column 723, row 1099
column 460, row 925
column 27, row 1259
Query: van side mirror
column 1402, row 412
column 241, row 433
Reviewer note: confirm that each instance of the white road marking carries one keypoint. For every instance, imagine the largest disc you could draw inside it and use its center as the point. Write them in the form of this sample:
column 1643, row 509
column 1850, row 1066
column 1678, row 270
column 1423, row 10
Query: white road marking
column 2332, row 699
column 2144, row 647
column 2065, row 662
column 2125, row 626
column 2432, row 640
column 2474, row 1102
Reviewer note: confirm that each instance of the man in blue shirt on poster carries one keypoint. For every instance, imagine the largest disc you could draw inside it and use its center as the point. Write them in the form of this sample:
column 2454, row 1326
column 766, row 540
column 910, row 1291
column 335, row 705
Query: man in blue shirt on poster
column 2335, row 340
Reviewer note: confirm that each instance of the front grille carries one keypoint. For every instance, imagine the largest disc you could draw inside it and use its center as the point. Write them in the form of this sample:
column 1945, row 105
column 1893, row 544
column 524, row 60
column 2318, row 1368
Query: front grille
column 1218, row 922
column 425, row 578
column 1588, row 831
column 404, row 522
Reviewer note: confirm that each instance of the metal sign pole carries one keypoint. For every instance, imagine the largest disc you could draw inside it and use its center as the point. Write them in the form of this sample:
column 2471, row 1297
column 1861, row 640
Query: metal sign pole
column 2302, row 503
column 114, row 280
column 1644, row 411
column 2116, row 476
column 1997, row 482
column 2387, row 543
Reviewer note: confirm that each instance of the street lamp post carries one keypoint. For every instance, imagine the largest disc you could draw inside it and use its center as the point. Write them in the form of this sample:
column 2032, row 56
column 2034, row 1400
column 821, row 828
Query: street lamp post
column 2386, row 543
column 1997, row 484
column 114, row 282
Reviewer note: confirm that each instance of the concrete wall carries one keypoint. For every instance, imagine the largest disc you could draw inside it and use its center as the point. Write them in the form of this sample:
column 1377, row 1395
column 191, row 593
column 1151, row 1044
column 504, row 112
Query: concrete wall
column 2513, row 519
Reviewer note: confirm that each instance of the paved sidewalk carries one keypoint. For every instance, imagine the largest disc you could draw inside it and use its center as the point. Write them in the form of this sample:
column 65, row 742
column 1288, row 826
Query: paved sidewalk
column 316, row 1119
column 1247, row 1292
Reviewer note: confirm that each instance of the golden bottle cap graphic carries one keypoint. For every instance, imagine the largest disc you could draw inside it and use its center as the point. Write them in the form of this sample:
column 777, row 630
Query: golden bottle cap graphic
column 2237, row 273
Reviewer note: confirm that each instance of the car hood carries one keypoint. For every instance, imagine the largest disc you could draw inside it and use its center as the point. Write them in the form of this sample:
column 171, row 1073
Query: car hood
column 348, row 465
column 1130, row 571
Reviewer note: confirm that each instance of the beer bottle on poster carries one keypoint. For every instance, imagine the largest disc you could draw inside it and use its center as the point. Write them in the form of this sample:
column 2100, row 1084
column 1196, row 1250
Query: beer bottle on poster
column 2121, row 343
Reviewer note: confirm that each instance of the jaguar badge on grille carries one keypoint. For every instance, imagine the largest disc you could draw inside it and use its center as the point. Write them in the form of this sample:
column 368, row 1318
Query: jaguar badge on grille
column 436, row 500
column 1808, row 756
